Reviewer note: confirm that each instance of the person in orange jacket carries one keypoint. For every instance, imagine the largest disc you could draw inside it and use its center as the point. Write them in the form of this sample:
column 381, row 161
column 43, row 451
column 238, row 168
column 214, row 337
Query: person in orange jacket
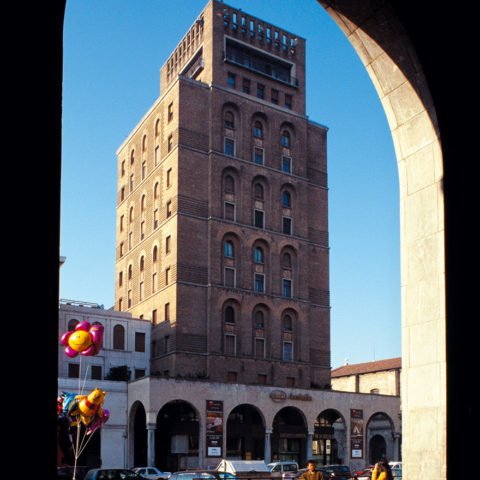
column 382, row 471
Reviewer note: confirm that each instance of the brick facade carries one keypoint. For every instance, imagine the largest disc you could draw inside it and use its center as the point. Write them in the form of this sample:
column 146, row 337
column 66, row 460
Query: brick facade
column 222, row 227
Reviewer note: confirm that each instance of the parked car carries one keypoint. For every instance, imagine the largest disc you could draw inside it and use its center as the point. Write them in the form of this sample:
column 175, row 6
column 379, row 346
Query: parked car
column 112, row 474
column 282, row 467
column 364, row 474
column 66, row 473
column 396, row 468
column 151, row 473
column 335, row 471
column 202, row 475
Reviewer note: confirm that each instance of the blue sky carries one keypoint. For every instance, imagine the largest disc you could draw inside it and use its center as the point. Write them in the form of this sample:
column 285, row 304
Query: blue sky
column 113, row 51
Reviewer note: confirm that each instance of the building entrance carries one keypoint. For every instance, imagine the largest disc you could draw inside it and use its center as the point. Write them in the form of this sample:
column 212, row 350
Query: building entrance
column 289, row 436
column 245, row 434
column 177, row 437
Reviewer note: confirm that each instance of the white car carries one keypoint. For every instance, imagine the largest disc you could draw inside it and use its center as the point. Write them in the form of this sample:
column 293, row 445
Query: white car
column 152, row 473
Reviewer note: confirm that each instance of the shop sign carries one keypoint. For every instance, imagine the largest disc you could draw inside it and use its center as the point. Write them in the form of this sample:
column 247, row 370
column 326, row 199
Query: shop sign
column 281, row 396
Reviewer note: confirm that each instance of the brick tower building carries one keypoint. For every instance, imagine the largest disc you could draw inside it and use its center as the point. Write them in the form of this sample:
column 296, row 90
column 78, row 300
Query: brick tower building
column 222, row 232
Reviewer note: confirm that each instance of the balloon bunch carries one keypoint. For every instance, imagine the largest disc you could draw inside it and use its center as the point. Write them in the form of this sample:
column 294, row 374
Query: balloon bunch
column 76, row 409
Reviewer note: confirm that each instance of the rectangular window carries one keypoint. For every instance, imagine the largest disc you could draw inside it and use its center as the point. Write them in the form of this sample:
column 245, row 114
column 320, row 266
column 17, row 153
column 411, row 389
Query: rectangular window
column 139, row 342
column 258, row 156
column 167, row 312
column 286, row 164
column 169, row 177
column 167, row 276
column 287, row 225
column 274, row 96
column 260, row 91
column 167, row 244
column 170, row 112
column 231, row 80
column 129, row 299
column 246, row 86
column 290, row 382
column 139, row 373
column 229, row 211
column 155, row 219
column 156, row 157
column 131, row 182
column 170, row 143
column 261, row 379
column 140, row 291
column 229, row 277
column 232, row 377
column 230, row 347
column 258, row 218
column 73, row 370
column 287, row 351
column 260, row 348
column 96, row 372
column 142, row 230
column 259, row 283
column 287, row 288
column 154, row 317
column 288, row 101
column 229, row 147
column 169, row 208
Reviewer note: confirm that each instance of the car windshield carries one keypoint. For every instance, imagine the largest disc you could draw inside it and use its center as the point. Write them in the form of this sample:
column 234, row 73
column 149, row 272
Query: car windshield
column 117, row 475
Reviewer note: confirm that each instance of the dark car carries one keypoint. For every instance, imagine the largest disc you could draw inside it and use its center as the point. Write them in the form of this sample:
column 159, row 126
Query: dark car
column 202, row 475
column 335, row 472
column 66, row 473
column 112, row 474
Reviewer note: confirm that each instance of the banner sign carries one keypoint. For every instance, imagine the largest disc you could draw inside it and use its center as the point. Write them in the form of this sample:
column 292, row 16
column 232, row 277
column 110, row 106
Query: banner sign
column 356, row 433
column 214, row 430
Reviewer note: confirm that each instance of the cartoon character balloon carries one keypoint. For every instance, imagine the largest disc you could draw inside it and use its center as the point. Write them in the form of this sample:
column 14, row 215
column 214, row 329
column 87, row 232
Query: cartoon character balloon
column 87, row 407
column 85, row 340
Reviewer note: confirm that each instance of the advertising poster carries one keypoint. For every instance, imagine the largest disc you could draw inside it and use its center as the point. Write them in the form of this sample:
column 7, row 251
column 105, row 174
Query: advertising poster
column 214, row 430
column 356, row 433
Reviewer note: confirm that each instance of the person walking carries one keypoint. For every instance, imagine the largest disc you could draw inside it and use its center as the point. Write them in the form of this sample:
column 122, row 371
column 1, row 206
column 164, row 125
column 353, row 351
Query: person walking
column 312, row 473
column 382, row 471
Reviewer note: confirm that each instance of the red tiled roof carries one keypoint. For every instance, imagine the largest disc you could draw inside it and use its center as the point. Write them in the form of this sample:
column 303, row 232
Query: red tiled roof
column 368, row 367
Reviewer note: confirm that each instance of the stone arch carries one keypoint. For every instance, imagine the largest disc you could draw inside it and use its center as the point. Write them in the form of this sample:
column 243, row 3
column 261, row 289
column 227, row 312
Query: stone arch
column 137, row 438
column 330, row 437
column 380, row 39
column 380, row 424
column 245, row 432
column 177, row 436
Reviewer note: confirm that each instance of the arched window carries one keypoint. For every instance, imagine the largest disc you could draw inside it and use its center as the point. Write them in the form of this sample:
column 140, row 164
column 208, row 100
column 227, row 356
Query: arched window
column 229, row 120
column 259, row 319
column 155, row 253
column 229, row 248
column 258, row 255
column 287, row 323
column 258, row 191
column 142, row 203
column 130, row 215
column 119, row 337
column 142, row 263
column 287, row 260
column 157, row 127
column 285, row 139
column 258, row 130
column 229, row 314
column 130, row 270
column 144, row 143
column 132, row 157
column 286, row 200
column 229, row 184
column 72, row 324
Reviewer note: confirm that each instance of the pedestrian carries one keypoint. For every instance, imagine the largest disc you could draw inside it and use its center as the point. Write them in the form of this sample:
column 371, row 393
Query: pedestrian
column 312, row 473
column 382, row 471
